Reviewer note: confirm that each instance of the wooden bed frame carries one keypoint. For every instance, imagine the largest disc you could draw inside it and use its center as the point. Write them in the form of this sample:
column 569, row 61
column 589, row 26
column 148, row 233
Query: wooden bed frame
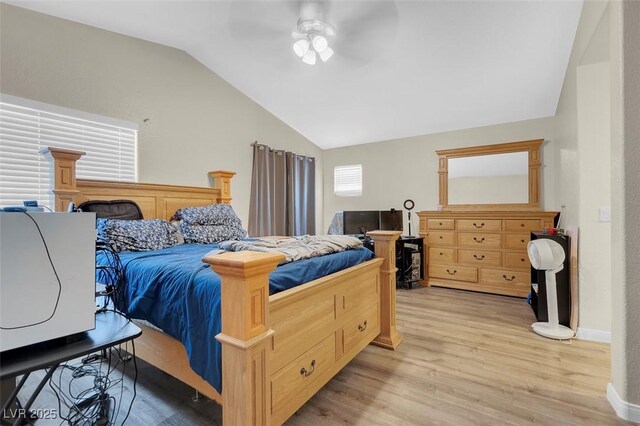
column 277, row 351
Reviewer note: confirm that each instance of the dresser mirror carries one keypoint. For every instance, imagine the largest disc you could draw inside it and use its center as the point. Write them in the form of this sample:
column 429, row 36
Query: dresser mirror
column 491, row 177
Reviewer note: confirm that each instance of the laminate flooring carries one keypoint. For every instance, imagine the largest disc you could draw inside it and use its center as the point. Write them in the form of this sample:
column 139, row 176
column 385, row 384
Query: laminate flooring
column 466, row 358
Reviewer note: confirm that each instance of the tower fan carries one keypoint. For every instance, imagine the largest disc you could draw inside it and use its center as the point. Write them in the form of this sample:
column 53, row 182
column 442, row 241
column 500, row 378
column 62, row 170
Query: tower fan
column 547, row 255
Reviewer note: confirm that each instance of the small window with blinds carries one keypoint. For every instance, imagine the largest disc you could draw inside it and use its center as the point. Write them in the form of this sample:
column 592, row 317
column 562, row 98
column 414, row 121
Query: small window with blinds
column 26, row 127
column 347, row 180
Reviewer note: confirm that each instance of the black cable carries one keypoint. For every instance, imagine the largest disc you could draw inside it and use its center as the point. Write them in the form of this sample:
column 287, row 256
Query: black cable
column 135, row 380
column 55, row 308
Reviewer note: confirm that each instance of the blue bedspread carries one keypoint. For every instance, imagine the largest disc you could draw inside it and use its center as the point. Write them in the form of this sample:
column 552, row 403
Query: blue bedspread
column 177, row 292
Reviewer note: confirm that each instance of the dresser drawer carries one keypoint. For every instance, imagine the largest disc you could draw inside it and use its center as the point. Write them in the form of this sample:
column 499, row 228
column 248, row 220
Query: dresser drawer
column 504, row 276
column 440, row 238
column 454, row 272
column 441, row 255
column 513, row 225
column 480, row 257
column 287, row 383
column 516, row 241
column 440, row 224
column 479, row 225
column 360, row 328
column 480, row 240
column 516, row 260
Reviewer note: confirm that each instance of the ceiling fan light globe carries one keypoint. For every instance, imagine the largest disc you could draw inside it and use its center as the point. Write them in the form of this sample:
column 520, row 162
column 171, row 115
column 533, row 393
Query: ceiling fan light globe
column 309, row 57
column 320, row 43
column 301, row 47
column 326, row 54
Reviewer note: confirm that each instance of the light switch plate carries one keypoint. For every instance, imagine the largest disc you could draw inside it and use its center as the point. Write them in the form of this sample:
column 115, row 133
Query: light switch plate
column 605, row 214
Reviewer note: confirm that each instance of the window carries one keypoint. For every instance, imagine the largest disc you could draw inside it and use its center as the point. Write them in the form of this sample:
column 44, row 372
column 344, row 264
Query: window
column 347, row 180
column 27, row 126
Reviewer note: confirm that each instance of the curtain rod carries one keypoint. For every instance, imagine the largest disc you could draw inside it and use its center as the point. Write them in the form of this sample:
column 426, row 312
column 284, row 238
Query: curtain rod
column 282, row 150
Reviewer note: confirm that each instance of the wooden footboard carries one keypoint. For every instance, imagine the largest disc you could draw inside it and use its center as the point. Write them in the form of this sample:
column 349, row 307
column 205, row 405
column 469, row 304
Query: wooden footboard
column 277, row 351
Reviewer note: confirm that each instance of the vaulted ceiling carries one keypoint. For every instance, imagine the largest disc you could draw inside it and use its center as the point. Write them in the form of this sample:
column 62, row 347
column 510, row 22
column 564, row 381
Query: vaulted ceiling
column 400, row 68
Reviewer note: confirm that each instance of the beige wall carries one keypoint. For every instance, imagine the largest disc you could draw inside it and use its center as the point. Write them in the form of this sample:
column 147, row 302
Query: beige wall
column 393, row 171
column 583, row 167
column 198, row 122
column 625, row 155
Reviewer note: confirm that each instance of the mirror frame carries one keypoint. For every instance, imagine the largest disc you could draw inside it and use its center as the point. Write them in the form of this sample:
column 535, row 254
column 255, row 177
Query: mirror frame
column 530, row 146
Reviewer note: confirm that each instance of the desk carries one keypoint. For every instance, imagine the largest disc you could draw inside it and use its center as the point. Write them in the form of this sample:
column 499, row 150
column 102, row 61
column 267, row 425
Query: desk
column 111, row 330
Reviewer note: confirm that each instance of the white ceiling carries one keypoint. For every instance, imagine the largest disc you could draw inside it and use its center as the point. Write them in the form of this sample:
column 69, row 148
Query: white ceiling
column 400, row 69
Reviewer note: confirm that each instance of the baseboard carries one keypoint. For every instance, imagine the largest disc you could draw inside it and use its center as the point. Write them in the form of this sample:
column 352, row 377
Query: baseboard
column 624, row 409
column 593, row 335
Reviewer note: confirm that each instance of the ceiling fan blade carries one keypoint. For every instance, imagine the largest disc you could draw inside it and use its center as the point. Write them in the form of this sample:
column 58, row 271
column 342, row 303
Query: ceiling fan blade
column 262, row 20
column 365, row 30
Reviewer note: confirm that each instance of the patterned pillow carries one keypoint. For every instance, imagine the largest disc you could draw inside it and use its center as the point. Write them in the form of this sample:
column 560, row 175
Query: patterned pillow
column 206, row 234
column 137, row 235
column 209, row 224
column 215, row 214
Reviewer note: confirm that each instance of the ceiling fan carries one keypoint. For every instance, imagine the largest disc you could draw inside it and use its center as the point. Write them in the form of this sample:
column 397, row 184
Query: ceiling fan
column 358, row 31
column 313, row 33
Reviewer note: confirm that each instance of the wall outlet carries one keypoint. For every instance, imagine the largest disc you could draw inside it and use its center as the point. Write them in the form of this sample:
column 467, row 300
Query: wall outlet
column 605, row 214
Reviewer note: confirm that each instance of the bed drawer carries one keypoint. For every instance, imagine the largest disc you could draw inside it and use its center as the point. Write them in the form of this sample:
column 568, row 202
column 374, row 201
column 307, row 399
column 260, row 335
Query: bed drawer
column 440, row 238
column 288, row 383
column 479, row 240
column 516, row 260
column 454, row 272
column 361, row 294
column 516, row 241
column 440, row 255
column 522, row 225
column 480, row 257
column 360, row 328
column 479, row 225
column 440, row 224
column 504, row 276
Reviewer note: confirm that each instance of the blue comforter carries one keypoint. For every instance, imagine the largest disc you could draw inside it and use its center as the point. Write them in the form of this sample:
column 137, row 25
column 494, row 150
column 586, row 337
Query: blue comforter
column 177, row 292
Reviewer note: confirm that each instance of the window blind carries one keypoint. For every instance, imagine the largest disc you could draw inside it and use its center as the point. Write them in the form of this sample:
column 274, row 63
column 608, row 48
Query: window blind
column 27, row 126
column 347, row 180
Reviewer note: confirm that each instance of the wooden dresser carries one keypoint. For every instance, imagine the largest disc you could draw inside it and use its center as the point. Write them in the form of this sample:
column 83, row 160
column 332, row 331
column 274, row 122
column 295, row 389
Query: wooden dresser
column 481, row 250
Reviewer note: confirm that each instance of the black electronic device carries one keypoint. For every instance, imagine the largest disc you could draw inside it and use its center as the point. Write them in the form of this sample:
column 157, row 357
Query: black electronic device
column 391, row 220
column 360, row 222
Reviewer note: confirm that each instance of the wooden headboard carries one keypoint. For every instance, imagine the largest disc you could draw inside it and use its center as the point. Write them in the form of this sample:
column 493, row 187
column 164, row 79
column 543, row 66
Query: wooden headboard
column 156, row 201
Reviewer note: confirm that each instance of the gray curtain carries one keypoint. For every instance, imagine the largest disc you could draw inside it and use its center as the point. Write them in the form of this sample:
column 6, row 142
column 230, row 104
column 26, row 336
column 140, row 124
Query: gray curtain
column 282, row 193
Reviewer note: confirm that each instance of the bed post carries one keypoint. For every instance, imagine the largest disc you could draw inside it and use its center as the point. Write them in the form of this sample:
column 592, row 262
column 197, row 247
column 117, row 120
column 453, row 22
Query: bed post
column 222, row 182
column 63, row 175
column 385, row 247
column 246, row 337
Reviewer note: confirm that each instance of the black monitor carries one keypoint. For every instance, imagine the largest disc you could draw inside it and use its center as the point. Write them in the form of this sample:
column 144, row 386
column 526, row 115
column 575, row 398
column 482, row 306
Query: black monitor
column 354, row 221
column 391, row 220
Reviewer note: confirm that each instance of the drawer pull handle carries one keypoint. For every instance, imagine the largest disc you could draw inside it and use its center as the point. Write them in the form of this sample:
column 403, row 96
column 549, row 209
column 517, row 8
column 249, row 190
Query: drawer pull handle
column 362, row 327
column 478, row 257
column 476, row 226
column 522, row 224
column 522, row 241
column 478, row 240
column 509, row 279
column 306, row 373
column 452, row 273
column 441, row 254
column 440, row 236
column 522, row 259
column 440, row 223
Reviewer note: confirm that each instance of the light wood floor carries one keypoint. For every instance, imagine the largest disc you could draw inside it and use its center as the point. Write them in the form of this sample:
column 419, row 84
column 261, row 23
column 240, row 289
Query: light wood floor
column 467, row 358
